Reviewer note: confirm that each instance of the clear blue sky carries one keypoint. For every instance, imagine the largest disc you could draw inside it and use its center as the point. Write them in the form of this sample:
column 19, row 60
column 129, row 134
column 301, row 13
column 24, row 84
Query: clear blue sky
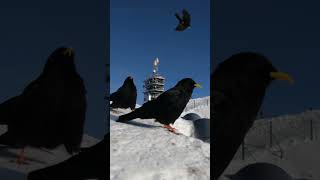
column 31, row 30
column 285, row 31
column 143, row 30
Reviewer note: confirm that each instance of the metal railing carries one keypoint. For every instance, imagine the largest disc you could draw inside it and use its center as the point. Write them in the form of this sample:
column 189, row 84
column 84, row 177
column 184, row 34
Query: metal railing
column 271, row 134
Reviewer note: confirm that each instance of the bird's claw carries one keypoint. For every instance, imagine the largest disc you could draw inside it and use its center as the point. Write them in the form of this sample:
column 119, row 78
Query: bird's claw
column 171, row 129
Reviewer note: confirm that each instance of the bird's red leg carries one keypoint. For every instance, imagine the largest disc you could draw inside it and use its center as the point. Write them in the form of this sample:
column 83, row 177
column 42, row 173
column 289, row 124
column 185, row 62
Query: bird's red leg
column 170, row 128
column 20, row 159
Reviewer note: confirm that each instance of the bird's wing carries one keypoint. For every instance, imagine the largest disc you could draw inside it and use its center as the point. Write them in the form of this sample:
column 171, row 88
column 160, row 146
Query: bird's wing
column 218, row 100
column 186, row 16
column 33, row 87
column 113, row 96
column 150, row 109
column 178, row 17
column 180, row 27
column 231, row 121
column 8, row 108
column 170, row 99
column 74, row 121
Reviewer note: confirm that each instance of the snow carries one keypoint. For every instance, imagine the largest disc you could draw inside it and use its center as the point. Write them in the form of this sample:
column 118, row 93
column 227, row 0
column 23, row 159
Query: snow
column 35, row 158
column 143, row 150
column 291, row 134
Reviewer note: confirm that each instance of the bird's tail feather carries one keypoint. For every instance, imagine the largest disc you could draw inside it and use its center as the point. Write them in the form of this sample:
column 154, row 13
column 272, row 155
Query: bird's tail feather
column 128, row 117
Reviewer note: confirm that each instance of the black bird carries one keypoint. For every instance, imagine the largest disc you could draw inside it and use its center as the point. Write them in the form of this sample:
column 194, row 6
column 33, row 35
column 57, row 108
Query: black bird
column 125, row 96
column 90, row 163
column 51, row 109
column 184, row 22
column 238, row 88
column 167, row 107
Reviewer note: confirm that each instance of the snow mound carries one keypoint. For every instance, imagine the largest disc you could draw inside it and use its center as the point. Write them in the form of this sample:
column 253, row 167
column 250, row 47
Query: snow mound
column 142, row 150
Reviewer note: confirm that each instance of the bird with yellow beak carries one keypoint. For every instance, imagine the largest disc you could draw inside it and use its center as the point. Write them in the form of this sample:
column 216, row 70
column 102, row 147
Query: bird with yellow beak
column 238, row 87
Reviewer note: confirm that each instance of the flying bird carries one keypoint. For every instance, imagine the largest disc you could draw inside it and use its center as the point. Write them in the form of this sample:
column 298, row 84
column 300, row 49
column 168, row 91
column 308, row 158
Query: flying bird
column 239, row 85
column 184, row 21
column 125, row 96
column 167, row 107
column 51, row 109
column 90, row 163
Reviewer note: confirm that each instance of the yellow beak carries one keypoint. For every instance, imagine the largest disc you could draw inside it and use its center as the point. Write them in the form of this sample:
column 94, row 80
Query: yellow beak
column 197, row 85
column 282, row 76
column 68, row 52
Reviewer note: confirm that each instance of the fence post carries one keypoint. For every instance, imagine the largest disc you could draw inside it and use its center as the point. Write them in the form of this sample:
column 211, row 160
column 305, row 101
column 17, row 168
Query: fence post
column 194, row 104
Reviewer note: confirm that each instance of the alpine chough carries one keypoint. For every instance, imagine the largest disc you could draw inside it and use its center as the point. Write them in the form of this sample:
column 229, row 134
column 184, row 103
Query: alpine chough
column 167, row 107
column 238, row 88
column 184, row 21
column 90, row 163
column 125, row 96
column 51, row 109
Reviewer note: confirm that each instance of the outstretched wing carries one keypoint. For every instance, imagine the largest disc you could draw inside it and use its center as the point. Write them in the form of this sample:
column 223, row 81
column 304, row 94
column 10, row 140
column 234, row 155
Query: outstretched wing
column 186, row 16
column 178, row 17
column 180, row 27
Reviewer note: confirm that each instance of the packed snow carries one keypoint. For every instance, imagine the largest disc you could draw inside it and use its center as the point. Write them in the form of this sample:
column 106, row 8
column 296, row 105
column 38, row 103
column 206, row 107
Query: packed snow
column 295, row 146
column 143, row 150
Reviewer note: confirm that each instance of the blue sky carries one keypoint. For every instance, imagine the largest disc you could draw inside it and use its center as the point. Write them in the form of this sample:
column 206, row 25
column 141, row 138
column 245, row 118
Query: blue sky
column 31, row 30
column 144, row 30
column 285, row 31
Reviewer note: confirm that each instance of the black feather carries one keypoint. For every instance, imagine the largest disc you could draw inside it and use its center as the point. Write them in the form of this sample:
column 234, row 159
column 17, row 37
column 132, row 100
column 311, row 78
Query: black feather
column 51, row 109
column 125, row 96
column 239, row 84
column 184, row 22
column 167, row 107
column 90, row 163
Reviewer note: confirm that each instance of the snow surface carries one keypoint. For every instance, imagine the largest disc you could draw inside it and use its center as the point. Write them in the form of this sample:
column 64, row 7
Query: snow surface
column 143, row 150
column 35, row 158
column 291, row 135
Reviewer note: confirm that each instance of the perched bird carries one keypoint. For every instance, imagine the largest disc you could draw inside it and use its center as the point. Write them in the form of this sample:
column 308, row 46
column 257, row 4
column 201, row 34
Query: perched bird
column 125, row 96
column 184, row 22
column 51, row 109
column 167, row 107
column 261, row 171
column 238, row 88
column 90, row 163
